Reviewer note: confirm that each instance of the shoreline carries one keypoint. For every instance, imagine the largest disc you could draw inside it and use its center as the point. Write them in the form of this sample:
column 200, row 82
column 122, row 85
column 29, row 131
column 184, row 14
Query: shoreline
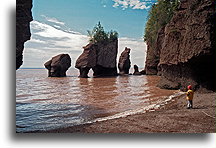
column 172, row 117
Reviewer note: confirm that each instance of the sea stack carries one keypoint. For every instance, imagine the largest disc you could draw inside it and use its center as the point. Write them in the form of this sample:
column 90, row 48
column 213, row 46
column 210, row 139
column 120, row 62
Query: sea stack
column 124, row 63
column 100, row 57
column 136, row 70
column 23, row 19
column 86, row 60
column 58, row 65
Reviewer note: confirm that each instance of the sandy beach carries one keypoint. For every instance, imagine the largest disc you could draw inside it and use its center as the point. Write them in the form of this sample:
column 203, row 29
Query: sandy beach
column 73, row 81
column 170, row 118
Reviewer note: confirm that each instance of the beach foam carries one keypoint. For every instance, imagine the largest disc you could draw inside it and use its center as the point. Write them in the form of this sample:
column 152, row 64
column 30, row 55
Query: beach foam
column 145, row 109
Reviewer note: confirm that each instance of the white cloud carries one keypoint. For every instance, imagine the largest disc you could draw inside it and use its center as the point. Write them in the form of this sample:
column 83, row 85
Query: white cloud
column 47, row 41
column 56, row 26
column 37, row 41
column 134, row 4
column 53, row 20
column 61, row 37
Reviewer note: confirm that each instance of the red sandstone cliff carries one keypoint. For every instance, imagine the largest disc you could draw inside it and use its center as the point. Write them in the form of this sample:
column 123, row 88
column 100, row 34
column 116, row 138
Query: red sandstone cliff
column 187, row 48
column 153, row 54
column 23, row 18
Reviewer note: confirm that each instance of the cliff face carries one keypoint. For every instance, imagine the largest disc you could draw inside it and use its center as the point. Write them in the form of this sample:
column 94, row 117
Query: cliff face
column 187, row 49
column 23, row 18
column 189, row 33
column 101, row 58
column 153, row 54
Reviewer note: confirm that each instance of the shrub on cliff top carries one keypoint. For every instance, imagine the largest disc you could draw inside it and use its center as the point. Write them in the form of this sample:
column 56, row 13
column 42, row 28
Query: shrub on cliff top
column 98, row 35
column 159, row 15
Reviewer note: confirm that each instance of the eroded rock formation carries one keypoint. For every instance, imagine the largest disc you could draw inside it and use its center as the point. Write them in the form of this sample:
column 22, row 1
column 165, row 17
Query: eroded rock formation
column 187, row 48
column 153, row 54
column 100, row 57
column 23, row 19
column 58, row 65
column 136, row 70
column 86, row 60
column 124, row 63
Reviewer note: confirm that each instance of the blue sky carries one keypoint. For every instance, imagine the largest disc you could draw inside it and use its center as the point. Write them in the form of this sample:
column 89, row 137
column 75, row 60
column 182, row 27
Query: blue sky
column 82, row 15
column 61, row 27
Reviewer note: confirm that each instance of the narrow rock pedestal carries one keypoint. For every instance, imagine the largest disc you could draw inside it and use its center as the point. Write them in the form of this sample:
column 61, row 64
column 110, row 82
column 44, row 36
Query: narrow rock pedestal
column 124, row 62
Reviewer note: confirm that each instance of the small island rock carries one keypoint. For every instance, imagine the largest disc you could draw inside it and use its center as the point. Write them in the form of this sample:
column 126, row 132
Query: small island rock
column 100, row 57
column 58, row 65
column 136, row 70
column 124, row 62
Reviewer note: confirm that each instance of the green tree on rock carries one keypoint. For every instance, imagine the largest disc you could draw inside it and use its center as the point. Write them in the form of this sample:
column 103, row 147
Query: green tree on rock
column 98, row 35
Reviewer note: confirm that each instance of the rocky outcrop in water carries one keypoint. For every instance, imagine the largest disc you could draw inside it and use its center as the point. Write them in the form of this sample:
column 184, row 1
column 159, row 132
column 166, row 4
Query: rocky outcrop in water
column 143, row 72
column 136, row 70
column 58, row 65
column 100, row 57
column 187, row 47
column 124, row 63
column 23, row 19
column 87, row 60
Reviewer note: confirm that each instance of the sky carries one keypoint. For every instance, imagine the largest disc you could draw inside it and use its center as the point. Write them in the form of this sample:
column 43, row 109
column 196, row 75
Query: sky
column 61, row 27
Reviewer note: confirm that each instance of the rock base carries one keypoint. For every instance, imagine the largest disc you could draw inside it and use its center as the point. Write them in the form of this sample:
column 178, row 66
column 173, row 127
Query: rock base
column 100, row 71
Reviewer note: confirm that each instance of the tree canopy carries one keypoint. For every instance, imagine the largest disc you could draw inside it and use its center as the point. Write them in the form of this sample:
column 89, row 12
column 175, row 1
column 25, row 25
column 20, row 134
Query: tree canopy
column 159, row 15
column 98, row 35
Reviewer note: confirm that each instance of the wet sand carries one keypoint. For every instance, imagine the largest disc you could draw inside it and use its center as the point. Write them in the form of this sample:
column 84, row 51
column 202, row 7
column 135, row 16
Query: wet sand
column 171, row 118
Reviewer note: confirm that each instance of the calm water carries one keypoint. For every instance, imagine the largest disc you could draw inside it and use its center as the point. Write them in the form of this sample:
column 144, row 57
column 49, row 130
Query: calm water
column 44, row 103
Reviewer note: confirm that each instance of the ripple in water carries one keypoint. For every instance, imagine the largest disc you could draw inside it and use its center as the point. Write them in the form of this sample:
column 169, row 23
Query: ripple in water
column 44, row 103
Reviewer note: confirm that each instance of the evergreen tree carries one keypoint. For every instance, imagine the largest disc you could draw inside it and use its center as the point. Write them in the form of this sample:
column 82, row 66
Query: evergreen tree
column 98, row 35
column 159, row 15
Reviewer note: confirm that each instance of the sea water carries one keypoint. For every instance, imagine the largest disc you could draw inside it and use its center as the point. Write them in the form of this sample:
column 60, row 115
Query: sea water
column 44, row 103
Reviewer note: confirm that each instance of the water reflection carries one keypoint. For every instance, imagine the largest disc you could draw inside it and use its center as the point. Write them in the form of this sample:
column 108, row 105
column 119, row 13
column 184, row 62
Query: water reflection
column 45, row 103
column 98, row 94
